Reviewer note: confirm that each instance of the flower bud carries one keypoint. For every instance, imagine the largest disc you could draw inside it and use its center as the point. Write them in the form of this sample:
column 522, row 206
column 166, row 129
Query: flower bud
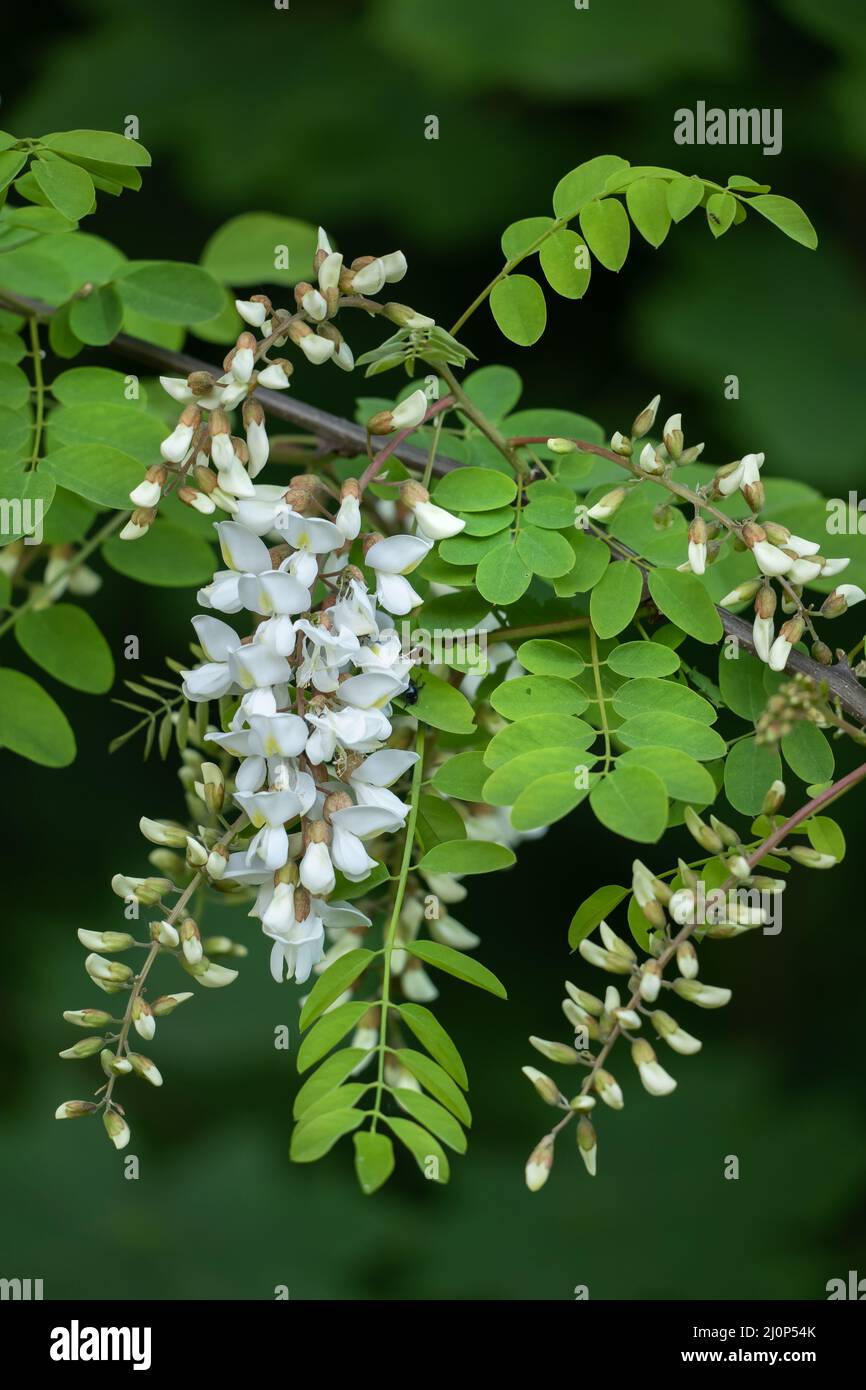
column 165, row 934
column 190, row 940
column 105, row 940
column 116, row 1128
column 143, row 1020
column 539, row 1164
column 587, row 1145
column 87, row 1047
column 687, row 960
column 75, row 1109
column 645, row 420
column 555, row 1052
column 607, row 1089
column 705, row 996
column 546, row 1088
column 114, row 971
column 88, row 1018
column 167, row 1003
column 812, row 858
column 653, row 1076
column 144, row 1067
column 163, row 832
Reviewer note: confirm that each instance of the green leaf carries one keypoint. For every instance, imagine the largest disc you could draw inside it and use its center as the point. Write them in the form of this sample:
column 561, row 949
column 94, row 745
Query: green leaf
column 33, row 493
column 168, row 556
column 546, row 800
column 526, row 695
column 721, row 210
column 67, row 188
column 566, row 264
column 443, row 706
column 247, row 249
column 544, row 552
column 462, row 776
column 475, row 490
column 338, row 1098
column 672, row 731
column 683, row 598
column 435, row 1080
column 11, row 164
column 539, row 731
column 807, row 753
column 825, row 836
column 31, row 723
column 648, row 207
column 643, row 659
column 546, row 658
column 494, row 390
column 517, row 304
column 374, row 1160
column 327, row 1078
column 683, row 196
column 551, row 505
column 632, row 802
column 587, row 181
column 119, row 425
column 32, row 273
column 427, row 1152
column 170, row 291
column 313, row 1138
column 750, row 768
column 607, row 230
column 328, row 1031
column 12, row 348
column 615, row 598
column 429, row 1031
column 432, row 1116
column 103, row 145
column 741, row 683
column 684, row 778
column 506, row 784
column 457, row 963
column 466, row 857
column 591, row 559
column 517, row 239
column 502, row 576
column 65, row 641
column 85, row 385
column 438, row 821
column 330, row 985
column 787, row 216
column 97, row 318
column 593, row 910
column 649, row 694
column 97, row 472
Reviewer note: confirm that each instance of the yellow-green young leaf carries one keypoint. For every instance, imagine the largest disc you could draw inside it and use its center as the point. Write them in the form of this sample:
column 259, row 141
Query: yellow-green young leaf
column 807, row 753
column 327, row 1078
column 11, row 164
column 787, row 216
column 329, row 1030
column 538, row 731
column 546, row 658
column 544, row 552
column 243, row 251
column 462, row 776
column 587, row 181
column 548, row 799
column 591, row 559
column 65, row 642
column 475, row 490
column 825, row 836
column 683, row 598
column 638, row 925
column 443, row 706
column 526, row 695
column 648, row 694
column 517, row 304
column 427, row 1151
column 167, row 556
column 340, row 1098
column 750, row 769
column 313, row 1138
column 684, row 777
column 31, row 723
column 435, row 1080
column 647, row 203
column 607, row 230
column 97, row 472
column 643, row 659
column 432, row 1116
column 67, row 187
column 672, row 731
column 467, row 857
column 106, row 146
column 566, row 264
column 741, row 682
column 97, row 318
column 170, row 291
column 374, row 1159
column 683, row 197
column 721, row 210
column 330, row 985
column 505, row 785
column 615, row 598
column 438, row 821
column 458, row 964
column 429, row 1031
column 632, row 802
column 503, row 577
column 517, row 239
column 594, row 910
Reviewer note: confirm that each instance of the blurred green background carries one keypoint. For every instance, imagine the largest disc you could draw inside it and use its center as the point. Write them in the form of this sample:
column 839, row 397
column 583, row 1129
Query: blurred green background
column 319, row 112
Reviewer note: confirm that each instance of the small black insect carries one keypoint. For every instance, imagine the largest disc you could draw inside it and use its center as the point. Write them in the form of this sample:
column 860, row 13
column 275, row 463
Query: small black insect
column 410, row 695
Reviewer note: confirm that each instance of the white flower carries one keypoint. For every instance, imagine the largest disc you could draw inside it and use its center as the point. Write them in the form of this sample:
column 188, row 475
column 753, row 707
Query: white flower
column 348, row 518
column 851, row 593
column 370, row 278
column 274, row 377
column 395, row 267
column 770, row 559
column 316, row 870
column 762, row 635
column 436, row 523
column 410, row 412
column 175, row 447
column 330, row 271
column 251, row 312
column 836, row 566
